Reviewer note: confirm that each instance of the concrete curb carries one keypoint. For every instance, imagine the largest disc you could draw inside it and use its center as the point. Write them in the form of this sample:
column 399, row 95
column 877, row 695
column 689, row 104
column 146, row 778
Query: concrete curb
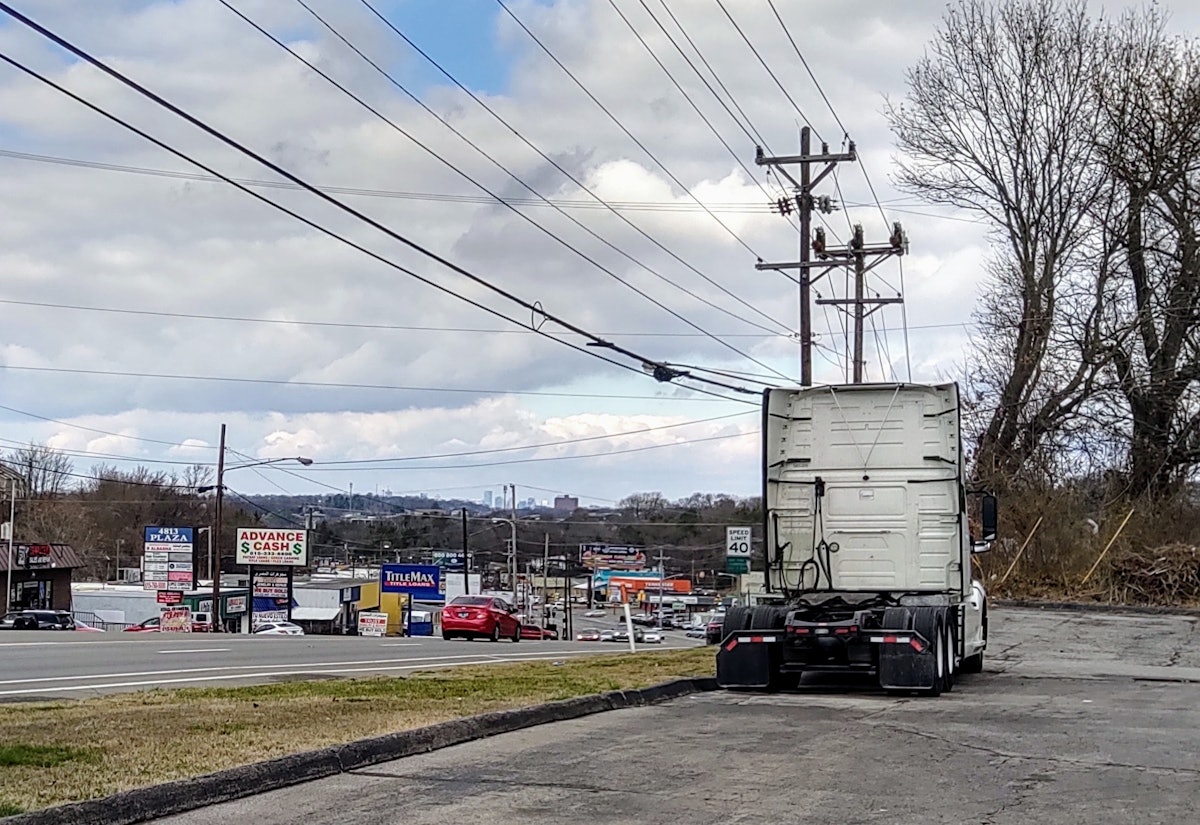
column 144, row 804
column 1097, row 607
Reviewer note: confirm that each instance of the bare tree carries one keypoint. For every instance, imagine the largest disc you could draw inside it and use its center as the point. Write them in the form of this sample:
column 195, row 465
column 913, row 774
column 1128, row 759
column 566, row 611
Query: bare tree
column 999, row 120
column 48, row 472
column 1149, row 93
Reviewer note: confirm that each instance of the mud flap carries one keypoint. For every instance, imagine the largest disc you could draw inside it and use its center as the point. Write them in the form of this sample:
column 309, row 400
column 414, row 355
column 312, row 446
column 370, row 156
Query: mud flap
column 749, row 661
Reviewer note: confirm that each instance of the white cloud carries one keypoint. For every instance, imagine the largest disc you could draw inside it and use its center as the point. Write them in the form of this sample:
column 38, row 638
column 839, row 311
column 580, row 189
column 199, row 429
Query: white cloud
column 94, row 238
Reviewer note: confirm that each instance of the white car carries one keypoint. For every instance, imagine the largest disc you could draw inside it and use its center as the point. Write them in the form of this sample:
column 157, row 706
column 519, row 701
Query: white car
column 607, row 635
column 652, row 638
column 595, row 614
column 278, row 629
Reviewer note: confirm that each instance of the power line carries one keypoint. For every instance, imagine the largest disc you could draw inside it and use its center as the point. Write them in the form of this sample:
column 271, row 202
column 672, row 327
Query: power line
column 565, row 203
column 623, row 128
column 564, row 171
column 158, row 313
column 341, row 87
column 659, row 372
column 287, row 382
column 736, row 157
column 770, row 71
column 757, row 137
column 102, row 432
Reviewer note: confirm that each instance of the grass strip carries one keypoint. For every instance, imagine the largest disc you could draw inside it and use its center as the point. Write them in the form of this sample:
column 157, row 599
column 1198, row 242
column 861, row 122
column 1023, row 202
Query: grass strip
column 86, row 749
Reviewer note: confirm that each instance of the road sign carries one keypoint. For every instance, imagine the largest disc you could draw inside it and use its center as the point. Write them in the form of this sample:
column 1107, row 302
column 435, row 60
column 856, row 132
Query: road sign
column 737, row 566
column 737, row 542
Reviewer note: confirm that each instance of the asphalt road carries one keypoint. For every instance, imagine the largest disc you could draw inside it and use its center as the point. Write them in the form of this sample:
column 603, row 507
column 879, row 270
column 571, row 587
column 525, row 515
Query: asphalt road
column 1077, row 718
column 52, row 664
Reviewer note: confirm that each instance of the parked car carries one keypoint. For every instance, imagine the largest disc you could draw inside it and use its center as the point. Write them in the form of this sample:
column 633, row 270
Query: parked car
column 652, row 638
column 40, row 620
column 148, row 626
column 481, row 617
column 697, row 631
column 278, row 629
column 15, row 621
column 713, row 631
column 607, row 635
column 532, row 631
column 594, row 614
column 588, row 636
column 201, row 623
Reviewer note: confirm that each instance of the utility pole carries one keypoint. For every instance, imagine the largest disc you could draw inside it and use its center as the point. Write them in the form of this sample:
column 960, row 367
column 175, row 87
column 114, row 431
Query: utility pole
column 805, row 203
column 545, row 573
column 856, row 254
column 512, row 562
column 218, row 614
column 466, row 556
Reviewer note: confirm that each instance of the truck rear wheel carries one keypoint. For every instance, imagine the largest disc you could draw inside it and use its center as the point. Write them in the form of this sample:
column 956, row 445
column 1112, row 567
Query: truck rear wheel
column 930, row 623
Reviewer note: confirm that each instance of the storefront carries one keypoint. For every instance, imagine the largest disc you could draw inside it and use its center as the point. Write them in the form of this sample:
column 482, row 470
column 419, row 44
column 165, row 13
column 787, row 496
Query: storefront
column 40, row 575
column 233, row 599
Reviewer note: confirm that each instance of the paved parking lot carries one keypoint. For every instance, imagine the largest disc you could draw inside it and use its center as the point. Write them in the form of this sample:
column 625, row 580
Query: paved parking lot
column 1077, row 718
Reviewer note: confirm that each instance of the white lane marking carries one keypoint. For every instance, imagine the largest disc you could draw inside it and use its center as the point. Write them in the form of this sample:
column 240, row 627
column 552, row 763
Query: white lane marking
column 198, row 650
column 415, row 659
column 401, row 644
column 300, row 672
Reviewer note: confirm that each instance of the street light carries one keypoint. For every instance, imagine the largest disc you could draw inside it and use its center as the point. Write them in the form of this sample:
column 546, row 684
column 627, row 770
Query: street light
column 218, row 614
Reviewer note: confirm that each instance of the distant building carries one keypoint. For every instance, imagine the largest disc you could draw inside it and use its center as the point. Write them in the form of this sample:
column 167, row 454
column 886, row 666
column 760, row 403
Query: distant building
column 566, row 504
column 487, row 498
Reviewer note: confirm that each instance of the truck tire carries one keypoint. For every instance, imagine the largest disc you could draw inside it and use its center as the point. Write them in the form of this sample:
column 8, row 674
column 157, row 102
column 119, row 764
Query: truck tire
column 949, row 646
column 930, row 623
column 765, row 617
column 736, row 619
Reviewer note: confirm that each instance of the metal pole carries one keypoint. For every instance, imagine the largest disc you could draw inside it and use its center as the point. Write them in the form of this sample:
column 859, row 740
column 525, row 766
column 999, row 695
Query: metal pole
column 12, row 529
column 859, row 278
column 513, row 560
column 219, row 622
column 805, row 248
column 466, row 556
column 210, row 555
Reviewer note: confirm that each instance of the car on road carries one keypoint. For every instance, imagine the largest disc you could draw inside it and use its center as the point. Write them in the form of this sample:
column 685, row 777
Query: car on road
column 696, row 631
column 607, row 635
column 713, row 631
column 588, row 636
column 594, row 614
column 652, row 638
column 480, row 617
column 87, row 628
column 621, row 634
column 37, row 620
column 278, row 629
column 532, row 631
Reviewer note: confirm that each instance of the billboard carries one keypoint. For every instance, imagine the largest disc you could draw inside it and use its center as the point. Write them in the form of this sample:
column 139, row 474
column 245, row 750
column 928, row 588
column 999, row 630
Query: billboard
column 167, row 558
column 421, row 581
column 612, row 557
column 263, row 545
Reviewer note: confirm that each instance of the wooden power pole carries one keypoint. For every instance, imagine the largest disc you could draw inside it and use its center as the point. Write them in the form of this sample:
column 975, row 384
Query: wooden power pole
column 856, row 254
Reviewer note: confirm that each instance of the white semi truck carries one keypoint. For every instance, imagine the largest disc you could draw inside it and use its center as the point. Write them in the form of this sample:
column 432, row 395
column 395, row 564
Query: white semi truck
column 867, row 543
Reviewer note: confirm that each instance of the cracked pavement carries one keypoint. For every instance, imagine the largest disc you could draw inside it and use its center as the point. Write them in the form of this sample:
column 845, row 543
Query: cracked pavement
column 1078, row 717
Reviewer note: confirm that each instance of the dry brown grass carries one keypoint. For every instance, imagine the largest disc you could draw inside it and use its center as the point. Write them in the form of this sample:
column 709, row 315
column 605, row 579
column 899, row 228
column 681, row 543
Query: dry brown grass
column 1066, row 545
column 131, row 740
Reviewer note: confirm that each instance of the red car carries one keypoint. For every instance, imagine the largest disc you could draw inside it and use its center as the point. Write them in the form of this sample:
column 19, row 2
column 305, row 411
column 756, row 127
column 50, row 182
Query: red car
column 480, row 617
column 532, row 631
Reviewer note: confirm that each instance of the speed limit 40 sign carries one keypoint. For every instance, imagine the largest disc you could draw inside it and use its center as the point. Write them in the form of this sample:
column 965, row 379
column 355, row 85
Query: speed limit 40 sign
column 737, row 542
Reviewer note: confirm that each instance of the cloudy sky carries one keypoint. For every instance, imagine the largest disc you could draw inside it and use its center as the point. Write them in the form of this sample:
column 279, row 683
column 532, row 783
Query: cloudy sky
column 144, row 303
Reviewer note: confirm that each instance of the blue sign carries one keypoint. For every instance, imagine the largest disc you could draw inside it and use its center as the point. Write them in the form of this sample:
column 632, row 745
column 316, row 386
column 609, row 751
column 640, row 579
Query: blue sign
column 422, row 582
column 168, row 535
